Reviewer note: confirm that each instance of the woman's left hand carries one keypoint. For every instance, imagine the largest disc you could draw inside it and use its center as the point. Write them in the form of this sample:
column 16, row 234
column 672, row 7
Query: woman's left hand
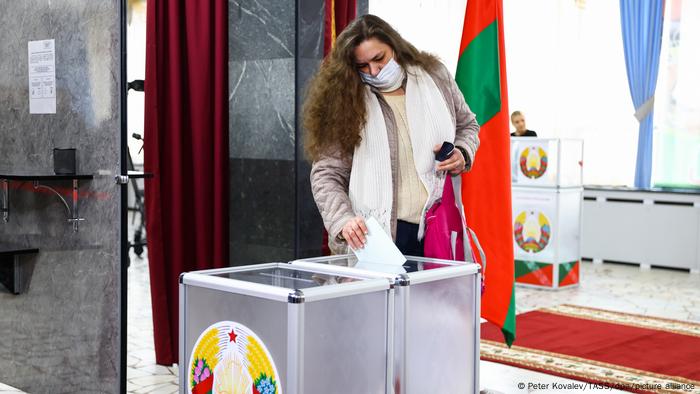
column 455, row 164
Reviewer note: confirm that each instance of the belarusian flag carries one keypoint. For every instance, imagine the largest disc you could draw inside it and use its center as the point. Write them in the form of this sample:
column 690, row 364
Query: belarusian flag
column 481, row 76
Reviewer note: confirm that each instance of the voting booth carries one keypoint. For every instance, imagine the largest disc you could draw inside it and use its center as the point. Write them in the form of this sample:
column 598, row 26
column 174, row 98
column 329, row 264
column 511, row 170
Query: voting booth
column 436, row 320
column 547, row 197
column 277, row 328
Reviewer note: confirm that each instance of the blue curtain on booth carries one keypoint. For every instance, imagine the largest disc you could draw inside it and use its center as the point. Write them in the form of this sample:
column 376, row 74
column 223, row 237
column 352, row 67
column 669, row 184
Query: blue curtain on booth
column 642, row 25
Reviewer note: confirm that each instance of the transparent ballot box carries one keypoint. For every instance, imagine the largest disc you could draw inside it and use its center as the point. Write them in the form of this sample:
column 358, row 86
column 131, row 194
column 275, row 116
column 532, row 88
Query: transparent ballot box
column 547, row 236
column 436, row 320
column 276, row 328
column 546, row 162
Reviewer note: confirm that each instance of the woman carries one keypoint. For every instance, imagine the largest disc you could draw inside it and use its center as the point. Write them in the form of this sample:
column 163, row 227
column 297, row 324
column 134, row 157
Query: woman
column 376, row 113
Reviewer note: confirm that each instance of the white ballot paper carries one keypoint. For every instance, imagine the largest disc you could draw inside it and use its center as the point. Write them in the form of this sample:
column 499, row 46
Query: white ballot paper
column 42, row 77
column 379, row 249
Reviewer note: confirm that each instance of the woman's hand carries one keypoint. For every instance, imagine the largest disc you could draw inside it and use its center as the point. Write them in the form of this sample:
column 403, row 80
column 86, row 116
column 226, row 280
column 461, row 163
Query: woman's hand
column 354, row 232
column 455, row 164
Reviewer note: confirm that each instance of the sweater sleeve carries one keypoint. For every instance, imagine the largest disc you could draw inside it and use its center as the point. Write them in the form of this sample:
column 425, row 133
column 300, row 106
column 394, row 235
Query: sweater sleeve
column 467, row 129
column 330, row 179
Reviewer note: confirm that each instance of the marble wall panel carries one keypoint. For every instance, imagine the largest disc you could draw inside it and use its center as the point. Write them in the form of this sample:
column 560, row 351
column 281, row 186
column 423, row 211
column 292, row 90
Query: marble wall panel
column 62, row 335
column 261, row 29
column 310, row 28
column 261, row 130
column 309, row 226
column 273, row 214
column 261, row 109
column 262, row 210
column 362, row 7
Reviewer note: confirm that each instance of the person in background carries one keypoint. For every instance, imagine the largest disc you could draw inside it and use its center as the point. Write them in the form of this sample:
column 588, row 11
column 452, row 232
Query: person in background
column 518, row 120
column 375, row 113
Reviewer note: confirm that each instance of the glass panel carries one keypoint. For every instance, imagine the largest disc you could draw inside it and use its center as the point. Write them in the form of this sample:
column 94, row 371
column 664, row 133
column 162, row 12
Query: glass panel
column 677, row 103
column 412, row 264
column 415, row 265
column 286, row 277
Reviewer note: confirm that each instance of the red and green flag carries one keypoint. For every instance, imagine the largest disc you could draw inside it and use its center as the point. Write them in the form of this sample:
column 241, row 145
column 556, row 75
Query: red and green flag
column 481, row 76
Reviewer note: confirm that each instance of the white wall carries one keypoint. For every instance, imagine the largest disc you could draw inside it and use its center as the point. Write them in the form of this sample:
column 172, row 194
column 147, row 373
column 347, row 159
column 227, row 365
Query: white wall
column 565, row 66
column 434, row 26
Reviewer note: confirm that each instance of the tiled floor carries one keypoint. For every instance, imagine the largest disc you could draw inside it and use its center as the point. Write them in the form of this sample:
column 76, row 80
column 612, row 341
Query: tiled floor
column 143, row 375
column 625, row 288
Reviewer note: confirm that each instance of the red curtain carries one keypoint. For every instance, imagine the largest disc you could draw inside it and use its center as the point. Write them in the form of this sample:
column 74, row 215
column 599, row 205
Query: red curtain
column 186, row 147
column 342, row 12
column 339, row 13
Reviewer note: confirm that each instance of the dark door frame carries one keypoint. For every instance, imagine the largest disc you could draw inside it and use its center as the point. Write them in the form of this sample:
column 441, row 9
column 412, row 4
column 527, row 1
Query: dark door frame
column 123, row 211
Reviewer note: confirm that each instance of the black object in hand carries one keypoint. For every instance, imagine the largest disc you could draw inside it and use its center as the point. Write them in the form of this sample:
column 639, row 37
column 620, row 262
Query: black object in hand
column 445, row 151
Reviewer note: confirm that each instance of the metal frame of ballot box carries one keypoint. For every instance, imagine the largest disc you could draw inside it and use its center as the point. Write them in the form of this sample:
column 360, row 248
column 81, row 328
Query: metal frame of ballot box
column 316, row 331
column 433, row 348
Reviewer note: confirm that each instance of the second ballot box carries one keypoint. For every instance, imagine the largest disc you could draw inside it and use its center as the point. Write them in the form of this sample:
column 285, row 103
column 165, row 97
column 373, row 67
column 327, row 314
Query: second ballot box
column 436, row 320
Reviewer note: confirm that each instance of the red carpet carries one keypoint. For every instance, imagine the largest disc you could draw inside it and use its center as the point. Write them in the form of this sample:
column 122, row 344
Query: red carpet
column 630, row 352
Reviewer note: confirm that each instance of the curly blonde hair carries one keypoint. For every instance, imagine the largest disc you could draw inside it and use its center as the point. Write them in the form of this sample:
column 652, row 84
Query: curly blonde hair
column 334, row 109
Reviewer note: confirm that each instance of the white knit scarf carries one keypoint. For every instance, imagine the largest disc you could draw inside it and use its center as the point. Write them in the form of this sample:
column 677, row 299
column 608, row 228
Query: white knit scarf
column 429, row 123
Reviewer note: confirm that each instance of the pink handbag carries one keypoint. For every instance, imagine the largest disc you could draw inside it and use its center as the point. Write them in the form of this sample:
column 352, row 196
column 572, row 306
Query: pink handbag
column 445, row 230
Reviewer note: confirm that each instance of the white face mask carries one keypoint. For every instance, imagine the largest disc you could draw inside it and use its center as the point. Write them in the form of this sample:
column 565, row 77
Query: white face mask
column 389, row 78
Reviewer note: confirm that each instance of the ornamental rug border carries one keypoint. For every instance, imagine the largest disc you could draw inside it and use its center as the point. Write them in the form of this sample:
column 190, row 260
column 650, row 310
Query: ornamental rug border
column 580, row 368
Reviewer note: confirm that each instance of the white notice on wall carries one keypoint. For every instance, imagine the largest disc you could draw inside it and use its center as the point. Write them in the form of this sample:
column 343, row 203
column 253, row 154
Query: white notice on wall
column 42, row 77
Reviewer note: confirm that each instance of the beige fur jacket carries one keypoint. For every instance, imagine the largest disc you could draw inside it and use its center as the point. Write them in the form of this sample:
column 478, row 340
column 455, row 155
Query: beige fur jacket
column 330, row 174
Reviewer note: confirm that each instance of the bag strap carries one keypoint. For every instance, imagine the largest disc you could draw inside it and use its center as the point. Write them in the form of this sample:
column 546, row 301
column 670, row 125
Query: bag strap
column 455, row 193
column 482, row 255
